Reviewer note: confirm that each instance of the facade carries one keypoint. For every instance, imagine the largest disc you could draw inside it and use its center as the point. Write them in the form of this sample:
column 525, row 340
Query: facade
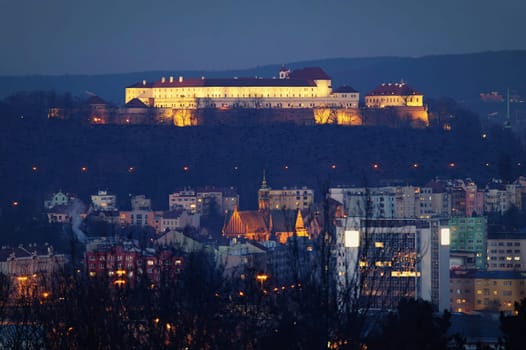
column 202, row 199
column 58, row 214
column 286, row 198
column 499, row 197
column 59, row 198
column 30, row 267
column 178, row 220
column 469, row 234
column 394, row 95
column 492, row 291
column 390, row 202
column 507, row 252
column 185, row 199
column 396, row 259
column 140, row 202
column 302, row 88
column 122, row 262
column 104, row 201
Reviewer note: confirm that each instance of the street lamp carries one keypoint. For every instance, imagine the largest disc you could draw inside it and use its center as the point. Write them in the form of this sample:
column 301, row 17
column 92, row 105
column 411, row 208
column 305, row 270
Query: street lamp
column 261, row 278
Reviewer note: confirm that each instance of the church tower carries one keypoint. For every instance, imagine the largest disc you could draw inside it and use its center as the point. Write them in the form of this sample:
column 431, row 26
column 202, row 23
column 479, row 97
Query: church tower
column 264, row 195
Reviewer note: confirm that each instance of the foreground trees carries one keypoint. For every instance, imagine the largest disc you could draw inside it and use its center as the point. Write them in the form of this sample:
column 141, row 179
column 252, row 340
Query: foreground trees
column 513, row 327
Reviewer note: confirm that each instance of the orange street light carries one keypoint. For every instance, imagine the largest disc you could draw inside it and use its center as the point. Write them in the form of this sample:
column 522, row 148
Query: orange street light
column 262, row 278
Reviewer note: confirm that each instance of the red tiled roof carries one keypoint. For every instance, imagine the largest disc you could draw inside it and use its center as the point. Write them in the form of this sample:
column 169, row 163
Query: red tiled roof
column 344, row 89
column 299, row 77
column 309, row 73
column 400, row 89
column 219, row 82
column 140, row 85
column 254, row 220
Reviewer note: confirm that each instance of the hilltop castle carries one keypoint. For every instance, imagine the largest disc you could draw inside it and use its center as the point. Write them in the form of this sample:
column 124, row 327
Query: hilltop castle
column 303, row 96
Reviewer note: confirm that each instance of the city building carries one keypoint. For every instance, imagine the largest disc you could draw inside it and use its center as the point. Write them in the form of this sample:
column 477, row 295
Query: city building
column 286, row 198
column 58, row 198
column 394, row 95
column 302, row 88
column 202, row 199
column 103, row 201
column 500, row 197
column 31, row 266
column 389, row 202
column 469, row 234
column 491, row 291
column 507, row 252
column 389, row 259
column 121, row 262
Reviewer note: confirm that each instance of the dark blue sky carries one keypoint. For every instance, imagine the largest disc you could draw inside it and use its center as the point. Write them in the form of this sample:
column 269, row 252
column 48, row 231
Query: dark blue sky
column 111, row 36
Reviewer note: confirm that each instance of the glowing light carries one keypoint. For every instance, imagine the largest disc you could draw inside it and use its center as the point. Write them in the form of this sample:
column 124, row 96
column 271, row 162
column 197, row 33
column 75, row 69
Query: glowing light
column 487, row 164
column 286, row 167
column 352, row 238
column 444, row 236
column 84, row 169
column 415, row 165
column 241, row 294
column 120, row 272
column 405, row 274
column 235, row 167
column 131, row 169
column 376, row 166
column 333, row 166
column 262, row 278
column 45, row 295
column 15, row 204
column 484, row 136
column 34, row 168
column 451, row 165
column 21, row 278
column 186, row 168
column 119, row 282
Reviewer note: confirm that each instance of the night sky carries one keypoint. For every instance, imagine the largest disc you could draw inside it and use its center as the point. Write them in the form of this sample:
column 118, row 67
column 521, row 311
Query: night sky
column 114, row 36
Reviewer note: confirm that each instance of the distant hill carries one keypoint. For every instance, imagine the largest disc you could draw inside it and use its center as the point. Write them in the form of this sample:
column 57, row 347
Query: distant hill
column 461, row 76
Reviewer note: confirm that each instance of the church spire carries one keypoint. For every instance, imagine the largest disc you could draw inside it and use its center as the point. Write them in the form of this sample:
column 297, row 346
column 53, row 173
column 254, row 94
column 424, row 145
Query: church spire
column 263, row 194
column 264, row 182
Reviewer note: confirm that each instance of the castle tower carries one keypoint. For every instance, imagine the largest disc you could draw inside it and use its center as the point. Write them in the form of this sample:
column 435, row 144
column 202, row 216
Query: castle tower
column 264, row 195
column 284, row 72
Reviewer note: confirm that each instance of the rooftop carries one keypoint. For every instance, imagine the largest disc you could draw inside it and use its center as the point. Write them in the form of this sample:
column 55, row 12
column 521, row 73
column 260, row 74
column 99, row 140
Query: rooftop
column 400, row 89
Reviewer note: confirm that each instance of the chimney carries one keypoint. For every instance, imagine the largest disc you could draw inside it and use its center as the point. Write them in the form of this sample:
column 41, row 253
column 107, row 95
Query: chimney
column 180, row 78
column 171, row 79
column 163, row 79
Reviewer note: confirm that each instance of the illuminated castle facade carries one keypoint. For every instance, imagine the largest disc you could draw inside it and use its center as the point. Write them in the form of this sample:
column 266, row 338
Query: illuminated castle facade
column 307, row 88
column 303, row 97
column 394, row 95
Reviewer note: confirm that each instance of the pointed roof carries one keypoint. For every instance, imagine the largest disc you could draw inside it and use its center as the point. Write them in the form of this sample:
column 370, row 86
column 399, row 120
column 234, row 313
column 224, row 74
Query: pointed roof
column 264, row 185
column 243, row 222
column 136, row 103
